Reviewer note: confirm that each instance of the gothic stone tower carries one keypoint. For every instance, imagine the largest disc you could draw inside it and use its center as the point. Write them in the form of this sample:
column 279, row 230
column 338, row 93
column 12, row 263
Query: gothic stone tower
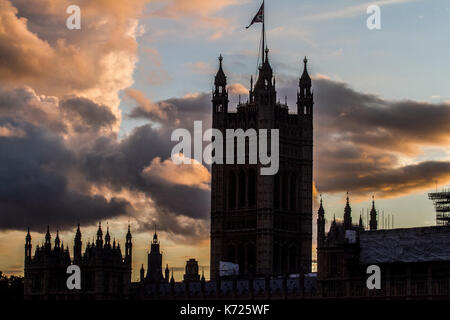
column 264, row 222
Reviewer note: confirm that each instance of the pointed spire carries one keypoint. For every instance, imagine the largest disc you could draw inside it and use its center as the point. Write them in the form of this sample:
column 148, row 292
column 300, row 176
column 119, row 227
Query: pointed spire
column 57, row 240
column 360, row 221
column 220, row 79
column 305, row 80
column 99, row 230
column 155, row 236
column 347, row 215
column 107, row 236
column 28, row 237
column 129, row 232
column 48, row 238
column 203, row 274
column 321, row 211
column 172, row 280
column 78, row 233
column 373, row 216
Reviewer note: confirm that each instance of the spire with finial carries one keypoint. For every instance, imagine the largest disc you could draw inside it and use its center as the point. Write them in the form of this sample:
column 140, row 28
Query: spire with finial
column 48, row 238
column 320, row 225
column 220, row 79
column 155, row 236
column 128, row 246
column 166, row 273
column 107, row 236
column 305, row 79
column 347, row 215
column 77, row 246
column 99, row 242
column 172, row 280
column 28, row 246
column 305, row 96
column 373, row 216
column 57, row 240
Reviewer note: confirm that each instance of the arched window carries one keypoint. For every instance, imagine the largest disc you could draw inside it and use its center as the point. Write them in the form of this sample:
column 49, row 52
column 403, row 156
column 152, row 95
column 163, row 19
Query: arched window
column 251, row 187
column 293, row 192
column 276, row 259
column 284, row 191
column 276, row 191
column 232, row 190
column 292, row 259
column 241, row 259
column 231, row 255
column 284, row 259
column 251, row 258
column 242, row 189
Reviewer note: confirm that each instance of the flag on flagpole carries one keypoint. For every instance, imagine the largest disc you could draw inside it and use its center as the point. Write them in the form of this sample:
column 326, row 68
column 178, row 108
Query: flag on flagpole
column 259, row 17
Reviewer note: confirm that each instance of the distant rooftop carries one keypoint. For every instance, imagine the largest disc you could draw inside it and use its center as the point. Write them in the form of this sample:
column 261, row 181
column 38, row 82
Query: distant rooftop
column 405, row 245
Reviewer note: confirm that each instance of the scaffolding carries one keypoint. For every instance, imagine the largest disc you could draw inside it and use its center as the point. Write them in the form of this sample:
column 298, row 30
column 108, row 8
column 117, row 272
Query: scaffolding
column 441, row 200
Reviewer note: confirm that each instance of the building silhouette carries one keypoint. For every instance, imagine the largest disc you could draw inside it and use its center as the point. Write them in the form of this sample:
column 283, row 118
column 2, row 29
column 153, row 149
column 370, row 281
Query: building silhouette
column 264, row 222
column 414, row 262
column 105, row 273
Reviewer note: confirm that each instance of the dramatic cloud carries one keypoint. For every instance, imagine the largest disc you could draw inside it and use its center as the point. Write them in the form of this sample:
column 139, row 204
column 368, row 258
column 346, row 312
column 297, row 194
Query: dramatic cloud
column 174, row 112
column 69, row 116
column 194, row 174
column 38, row 50
column 363, row 141
column 35, row 189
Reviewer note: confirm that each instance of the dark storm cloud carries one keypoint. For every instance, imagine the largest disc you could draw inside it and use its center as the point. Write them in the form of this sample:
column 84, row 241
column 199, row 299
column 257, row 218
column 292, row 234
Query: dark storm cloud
column 76, row 113
column 120, row 164
column 89, row 114
column 35, row 187
column 366, row 119
column 177, row 112
column 360, row 139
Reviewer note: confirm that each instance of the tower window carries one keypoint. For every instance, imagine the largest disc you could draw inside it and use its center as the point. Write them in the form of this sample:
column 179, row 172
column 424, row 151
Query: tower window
column 293, row 192
column 284, row 191
column 251, row 188
column 276, row 191
column 242, row 189
column 232, row 190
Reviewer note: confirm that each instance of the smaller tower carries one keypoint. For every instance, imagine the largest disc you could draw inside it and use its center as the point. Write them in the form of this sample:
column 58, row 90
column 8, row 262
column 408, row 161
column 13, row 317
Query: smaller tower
column 305, row 96
column 320, row 225
column 77, row 246
column 107, row 237
column 166, row 273
column 373, row 216
column 347, row 215
column 57, row 240
column 48, row 244
column 172, row 280
column 128, row 247
column 99, row 242
column 154, row 264
column 142, row 272
column 28, row 247
column 191, row 273
column 220, row 94
column 361, row 226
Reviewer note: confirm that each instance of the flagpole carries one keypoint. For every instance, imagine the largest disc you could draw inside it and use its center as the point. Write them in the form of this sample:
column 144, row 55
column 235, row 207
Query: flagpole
column 263, row 37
